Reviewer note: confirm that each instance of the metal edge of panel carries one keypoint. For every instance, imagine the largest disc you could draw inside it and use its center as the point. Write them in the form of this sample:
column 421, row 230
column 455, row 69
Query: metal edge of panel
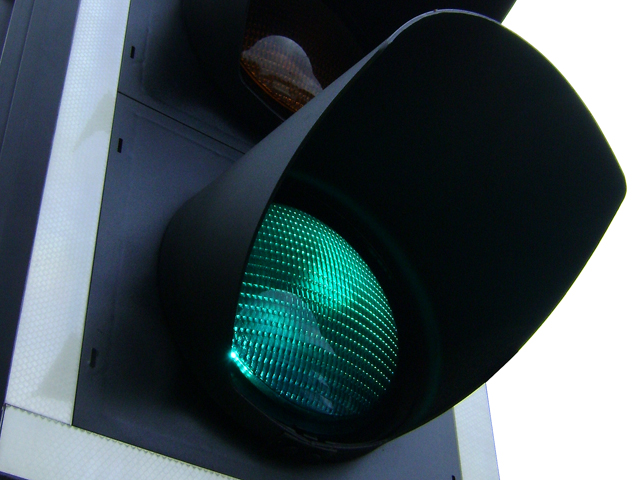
column 47, row 346
column 476, row 447
column 32, row 73
column 64, row 451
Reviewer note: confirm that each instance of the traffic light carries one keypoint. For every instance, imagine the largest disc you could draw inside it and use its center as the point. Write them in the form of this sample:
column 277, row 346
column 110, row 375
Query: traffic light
column 472, row 186
column 348, row 279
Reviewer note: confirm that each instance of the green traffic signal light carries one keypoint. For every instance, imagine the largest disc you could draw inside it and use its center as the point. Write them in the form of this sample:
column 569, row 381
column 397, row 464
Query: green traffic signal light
column 313, row 327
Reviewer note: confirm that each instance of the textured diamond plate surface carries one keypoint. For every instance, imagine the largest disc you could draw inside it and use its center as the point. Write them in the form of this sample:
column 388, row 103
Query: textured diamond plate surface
column 38, row 448
column 478, row 459
column 47, row 351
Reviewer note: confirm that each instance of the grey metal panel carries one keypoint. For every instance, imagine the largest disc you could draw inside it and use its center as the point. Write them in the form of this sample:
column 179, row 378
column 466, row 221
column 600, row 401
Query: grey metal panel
column 160, row 70
column 6, row 6
column 155, row 165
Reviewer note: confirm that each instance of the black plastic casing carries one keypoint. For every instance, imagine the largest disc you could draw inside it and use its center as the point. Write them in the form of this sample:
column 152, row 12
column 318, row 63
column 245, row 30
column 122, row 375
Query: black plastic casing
column 468, row 173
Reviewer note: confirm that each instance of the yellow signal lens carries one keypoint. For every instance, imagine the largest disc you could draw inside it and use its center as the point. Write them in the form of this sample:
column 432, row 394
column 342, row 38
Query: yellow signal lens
column 292, row 50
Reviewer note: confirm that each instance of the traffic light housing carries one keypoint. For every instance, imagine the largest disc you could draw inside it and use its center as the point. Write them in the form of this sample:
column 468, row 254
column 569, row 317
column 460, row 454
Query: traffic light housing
column 468, row 175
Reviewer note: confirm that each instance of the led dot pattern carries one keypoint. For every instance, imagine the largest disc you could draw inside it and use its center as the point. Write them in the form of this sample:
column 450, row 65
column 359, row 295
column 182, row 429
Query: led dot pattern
column 313, row 327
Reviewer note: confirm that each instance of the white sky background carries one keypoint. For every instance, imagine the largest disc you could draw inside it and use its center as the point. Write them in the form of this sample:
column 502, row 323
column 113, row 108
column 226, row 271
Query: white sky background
column 568, row 405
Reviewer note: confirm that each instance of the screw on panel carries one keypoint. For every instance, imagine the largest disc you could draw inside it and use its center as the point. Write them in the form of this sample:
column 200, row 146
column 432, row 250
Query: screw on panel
column 94, row 356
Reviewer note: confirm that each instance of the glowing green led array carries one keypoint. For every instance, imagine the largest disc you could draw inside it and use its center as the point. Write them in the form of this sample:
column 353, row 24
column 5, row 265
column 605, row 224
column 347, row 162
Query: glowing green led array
column 313, row 327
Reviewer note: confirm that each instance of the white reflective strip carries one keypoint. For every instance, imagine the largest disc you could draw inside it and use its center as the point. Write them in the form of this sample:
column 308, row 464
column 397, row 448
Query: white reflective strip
column 45, row 363
column 477, row 449
column 38, row 448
